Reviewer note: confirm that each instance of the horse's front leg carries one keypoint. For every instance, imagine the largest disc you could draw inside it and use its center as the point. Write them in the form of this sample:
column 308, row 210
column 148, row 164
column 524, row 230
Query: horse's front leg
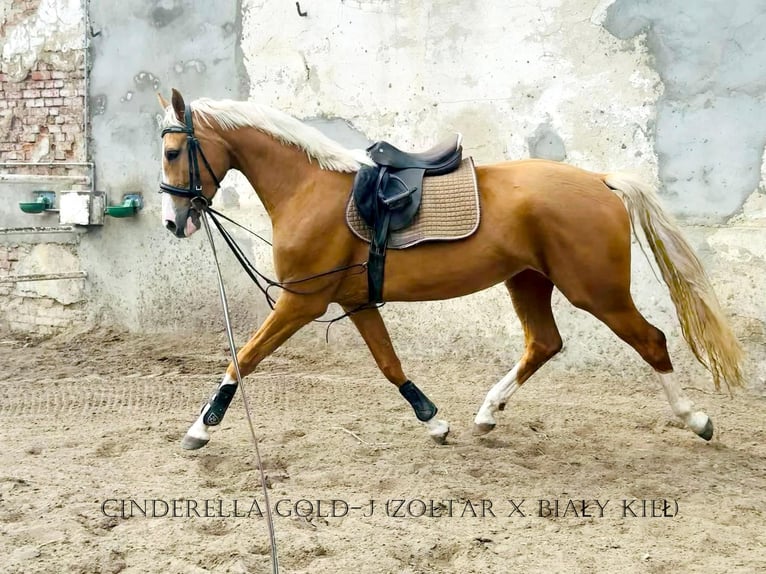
column 290, row 314
column 373, row 330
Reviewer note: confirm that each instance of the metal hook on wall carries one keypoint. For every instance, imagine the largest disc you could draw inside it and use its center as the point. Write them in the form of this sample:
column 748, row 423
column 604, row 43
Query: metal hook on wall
column 300, row 13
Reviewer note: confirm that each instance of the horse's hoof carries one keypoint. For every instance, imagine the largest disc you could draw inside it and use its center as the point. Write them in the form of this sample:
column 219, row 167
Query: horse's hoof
column 440, row 438
column 707, row 432
column 190, row 442
column 438, row 430
column 480, row 429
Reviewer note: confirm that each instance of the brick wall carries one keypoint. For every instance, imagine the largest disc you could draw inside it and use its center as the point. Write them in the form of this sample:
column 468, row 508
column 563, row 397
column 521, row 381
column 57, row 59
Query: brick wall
column 41, row 113
column 40, row 307
column 42, row 101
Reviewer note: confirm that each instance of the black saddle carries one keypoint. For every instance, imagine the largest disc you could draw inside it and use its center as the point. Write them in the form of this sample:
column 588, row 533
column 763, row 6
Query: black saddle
column 438, row 160
column 388, row 195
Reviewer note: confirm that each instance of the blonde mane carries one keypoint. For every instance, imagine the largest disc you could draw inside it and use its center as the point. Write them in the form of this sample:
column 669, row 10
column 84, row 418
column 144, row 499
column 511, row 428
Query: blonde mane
column 231, row 114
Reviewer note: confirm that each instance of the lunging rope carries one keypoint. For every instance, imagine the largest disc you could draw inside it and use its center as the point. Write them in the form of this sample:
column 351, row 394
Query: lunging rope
column 235, row 362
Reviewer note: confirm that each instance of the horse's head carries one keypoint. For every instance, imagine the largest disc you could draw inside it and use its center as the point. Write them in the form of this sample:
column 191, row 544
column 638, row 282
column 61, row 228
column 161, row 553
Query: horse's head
column 190, row 176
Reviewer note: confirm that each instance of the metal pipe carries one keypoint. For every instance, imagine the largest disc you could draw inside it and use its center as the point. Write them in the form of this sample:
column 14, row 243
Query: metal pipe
column 20, row 178
column 43, row 277
column 26, row 230
column 46, row 164
column 86, row 89
column 86, row 180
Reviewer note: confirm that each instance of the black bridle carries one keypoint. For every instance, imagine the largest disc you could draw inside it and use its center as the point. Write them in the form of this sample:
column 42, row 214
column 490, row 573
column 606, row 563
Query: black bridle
column 193, row 149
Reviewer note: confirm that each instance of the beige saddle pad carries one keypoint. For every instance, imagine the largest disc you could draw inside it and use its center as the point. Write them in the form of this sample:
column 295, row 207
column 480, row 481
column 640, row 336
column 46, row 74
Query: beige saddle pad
column 449, row 210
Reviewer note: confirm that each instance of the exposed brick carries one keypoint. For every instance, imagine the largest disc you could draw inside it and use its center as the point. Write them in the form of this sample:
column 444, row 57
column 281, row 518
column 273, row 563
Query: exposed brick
column 58, row 75
column 34, row 115
column 53, row 112
column 29, row 94
column 41, row 75
column 50, row 93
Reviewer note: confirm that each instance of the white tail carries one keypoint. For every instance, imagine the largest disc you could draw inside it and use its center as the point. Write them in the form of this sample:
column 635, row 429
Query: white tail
column 702, row 321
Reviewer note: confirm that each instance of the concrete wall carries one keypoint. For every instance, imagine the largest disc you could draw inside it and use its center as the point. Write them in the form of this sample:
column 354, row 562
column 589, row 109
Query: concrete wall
column 673, row 91
column 143, row 278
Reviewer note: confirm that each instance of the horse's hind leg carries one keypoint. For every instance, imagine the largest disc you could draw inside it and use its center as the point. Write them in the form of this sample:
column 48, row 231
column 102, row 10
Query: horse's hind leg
column 373, row 330
column 609, row 300
column 650, row 343
column 531, row 295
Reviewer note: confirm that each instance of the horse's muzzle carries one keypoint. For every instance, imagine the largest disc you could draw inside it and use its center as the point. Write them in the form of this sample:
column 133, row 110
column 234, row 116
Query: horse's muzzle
column 184, row 226
column 174, row 229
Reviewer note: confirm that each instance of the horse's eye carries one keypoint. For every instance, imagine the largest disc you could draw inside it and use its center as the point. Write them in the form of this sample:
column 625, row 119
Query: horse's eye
column 172, row 154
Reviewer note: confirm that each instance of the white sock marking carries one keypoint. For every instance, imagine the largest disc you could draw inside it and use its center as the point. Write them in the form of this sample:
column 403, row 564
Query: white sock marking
column 437, row 427
column 498, row 395
column 682, row 406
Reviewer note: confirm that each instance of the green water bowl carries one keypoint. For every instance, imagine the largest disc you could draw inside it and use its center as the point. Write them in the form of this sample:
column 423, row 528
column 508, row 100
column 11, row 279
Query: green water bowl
column 128, row 208
column 44, row 201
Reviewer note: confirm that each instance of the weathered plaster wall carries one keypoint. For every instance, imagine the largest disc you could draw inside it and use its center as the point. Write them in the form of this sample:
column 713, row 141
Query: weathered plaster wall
column 141, row 276
column 41, row 81
column 665, row 89
column 42, row 99
column 672, row 93
column 709, row 133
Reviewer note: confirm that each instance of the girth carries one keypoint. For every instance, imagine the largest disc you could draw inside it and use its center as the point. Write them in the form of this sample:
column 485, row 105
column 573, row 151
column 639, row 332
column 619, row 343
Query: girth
column 388, row 196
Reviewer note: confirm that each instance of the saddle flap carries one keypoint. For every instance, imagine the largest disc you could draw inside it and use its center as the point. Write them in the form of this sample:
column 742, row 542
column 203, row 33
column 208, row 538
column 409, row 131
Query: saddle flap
column 365, row 193
column 378, row 192
column 402, row 197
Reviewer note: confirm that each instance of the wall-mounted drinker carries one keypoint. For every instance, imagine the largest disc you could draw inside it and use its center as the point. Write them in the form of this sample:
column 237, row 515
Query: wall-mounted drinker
column 44, row 202
column 130, row 205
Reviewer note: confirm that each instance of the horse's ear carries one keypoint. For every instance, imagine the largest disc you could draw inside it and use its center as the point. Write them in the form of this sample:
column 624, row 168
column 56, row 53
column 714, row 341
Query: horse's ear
column 163, row 102
column 178, row 104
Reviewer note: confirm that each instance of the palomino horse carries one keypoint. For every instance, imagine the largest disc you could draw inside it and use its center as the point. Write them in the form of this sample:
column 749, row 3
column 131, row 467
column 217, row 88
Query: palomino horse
column 543, row 224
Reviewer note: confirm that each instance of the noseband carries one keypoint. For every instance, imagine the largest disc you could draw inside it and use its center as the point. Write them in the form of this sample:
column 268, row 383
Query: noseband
column 193, row 146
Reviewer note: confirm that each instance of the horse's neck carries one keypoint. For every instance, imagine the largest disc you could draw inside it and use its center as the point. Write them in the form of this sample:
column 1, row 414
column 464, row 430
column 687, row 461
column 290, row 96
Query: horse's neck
column 278, row 172
column 275, row 170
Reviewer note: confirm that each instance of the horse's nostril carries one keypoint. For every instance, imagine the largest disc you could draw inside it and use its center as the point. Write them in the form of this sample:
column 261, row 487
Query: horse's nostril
column 170, row 225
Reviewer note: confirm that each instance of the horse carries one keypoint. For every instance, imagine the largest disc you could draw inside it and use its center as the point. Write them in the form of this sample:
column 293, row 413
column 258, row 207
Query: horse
column 544, row 224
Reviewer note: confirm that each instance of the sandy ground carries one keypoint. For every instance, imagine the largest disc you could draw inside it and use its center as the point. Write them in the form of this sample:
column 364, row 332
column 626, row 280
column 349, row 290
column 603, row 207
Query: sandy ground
column 92, row 422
